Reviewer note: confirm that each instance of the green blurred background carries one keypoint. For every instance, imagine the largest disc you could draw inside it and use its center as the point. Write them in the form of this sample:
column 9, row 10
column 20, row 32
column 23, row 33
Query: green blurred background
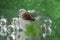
column 46, row 8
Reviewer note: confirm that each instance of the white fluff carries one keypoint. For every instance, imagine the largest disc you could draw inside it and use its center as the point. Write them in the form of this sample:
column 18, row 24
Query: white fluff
column 50, row 30
column 3, row 30
column 15, row 22
column 3, row 26
column 21, row 12
column 13, row 35
column 48, row 20
column 44, row 35
column 3, row 20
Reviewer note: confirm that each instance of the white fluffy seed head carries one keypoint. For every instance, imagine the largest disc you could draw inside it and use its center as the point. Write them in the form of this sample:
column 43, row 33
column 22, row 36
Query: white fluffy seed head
column 32, row 11
column 21, row 12
column 34, row 14
column 48, row 20
column 15, row 20
column 11, row 26
column 3, row 20
column 50, row 30
column 44, row 35
column 13, row 35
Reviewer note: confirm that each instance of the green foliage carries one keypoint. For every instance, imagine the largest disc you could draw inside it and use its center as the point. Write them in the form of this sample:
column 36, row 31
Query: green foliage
column 33, row 29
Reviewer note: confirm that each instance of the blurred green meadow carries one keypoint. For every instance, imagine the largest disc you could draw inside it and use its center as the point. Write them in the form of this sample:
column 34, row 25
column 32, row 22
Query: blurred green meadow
column 46, row 8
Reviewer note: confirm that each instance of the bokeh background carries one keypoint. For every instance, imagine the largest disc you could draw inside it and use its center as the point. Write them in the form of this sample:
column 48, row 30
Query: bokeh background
column 46, row 8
